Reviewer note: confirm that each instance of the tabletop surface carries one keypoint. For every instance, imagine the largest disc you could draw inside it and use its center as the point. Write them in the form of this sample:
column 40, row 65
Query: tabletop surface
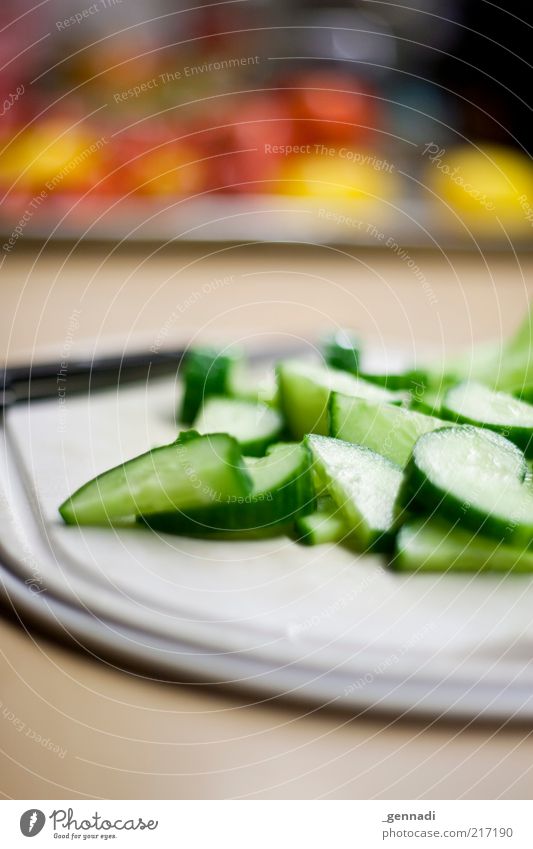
column 74, row 727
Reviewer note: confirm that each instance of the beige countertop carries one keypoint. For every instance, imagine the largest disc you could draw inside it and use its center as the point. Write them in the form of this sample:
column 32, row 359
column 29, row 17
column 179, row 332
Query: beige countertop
column 74, row 727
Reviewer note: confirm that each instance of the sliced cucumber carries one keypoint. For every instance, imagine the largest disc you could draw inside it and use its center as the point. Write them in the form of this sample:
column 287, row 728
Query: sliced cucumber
column 427, row 401
column 390, row 430
column 255, row 426
column 325, row 524
column 523, row 391
column 474, row 477
column 282, row 489
column 191, row 472
column 409, row 381
column 254, row 385
column 304, row 390
column 340, row 349
column 435, row 546
column 363, row 484
column 502, row 365
column 474, row 403
column 206, row 372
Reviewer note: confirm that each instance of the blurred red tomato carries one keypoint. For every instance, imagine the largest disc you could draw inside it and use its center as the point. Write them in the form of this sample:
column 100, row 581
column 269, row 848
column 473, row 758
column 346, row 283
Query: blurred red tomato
column 252, row 137
column 150, row 160
column 253, row 171
column 331, row 106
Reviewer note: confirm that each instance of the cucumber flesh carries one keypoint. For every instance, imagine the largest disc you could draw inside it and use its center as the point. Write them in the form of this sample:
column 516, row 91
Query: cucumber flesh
column 474, row 477
column 254, row 385
column 305, row 388
column 340, row 349
column 363, row 484
column 387, row 429
column 206, row 371
column 191, row 472
column 255, row 426
column 476, row 404
column 435, row 546
column 325, row 524
column 282, row 490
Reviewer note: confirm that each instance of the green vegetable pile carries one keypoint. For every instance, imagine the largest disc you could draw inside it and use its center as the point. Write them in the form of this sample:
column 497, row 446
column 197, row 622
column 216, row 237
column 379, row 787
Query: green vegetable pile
column 430, row 467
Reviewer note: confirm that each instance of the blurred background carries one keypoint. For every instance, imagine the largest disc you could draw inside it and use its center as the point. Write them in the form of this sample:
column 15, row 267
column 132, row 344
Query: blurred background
column 351, row 122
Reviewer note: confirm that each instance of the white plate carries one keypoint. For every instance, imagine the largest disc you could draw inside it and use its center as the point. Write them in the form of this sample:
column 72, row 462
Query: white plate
column 319, row 622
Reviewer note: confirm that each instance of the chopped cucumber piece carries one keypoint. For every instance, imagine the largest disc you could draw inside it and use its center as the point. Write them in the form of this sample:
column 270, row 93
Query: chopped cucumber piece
column 282, row 489
column 325, row 524
column 206, row 371
column 390, row 430
column 191, row 472
column 435, row 546
column 252, row 385
column 340, row 349
column 428, row 401
column 409, row 381
column 305, row 388
column 474, row 477
column 500, row 365
column 363, row 484
column 473, row 403
column 255, row 426
column 523, row 391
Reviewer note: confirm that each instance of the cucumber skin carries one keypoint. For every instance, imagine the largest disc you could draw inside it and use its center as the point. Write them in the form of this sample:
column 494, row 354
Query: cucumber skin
column 444, row 548
column 240, row 516
column 206, row 372
column 523, row 393
column 408, row 381
column 520, row 436
column 69, row 511
column 428, row 402
column 340, row 350
column 420, row 496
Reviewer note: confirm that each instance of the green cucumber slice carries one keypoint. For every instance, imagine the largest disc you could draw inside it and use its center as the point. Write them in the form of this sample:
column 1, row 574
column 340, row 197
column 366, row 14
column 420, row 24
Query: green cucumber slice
column 206, row 371
column 474, row 477
column 340, row 349
column 325, row 524
column 255, row 426
column 523, row 391
column 363, row 484
column 476, row 404
column 427, row 401
column 500, row 365
column 387, row 429
column 305, row 388
column 191, row 472
column 282, row 489
column 254, row 385
column 435, row 546
column 410, row 381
